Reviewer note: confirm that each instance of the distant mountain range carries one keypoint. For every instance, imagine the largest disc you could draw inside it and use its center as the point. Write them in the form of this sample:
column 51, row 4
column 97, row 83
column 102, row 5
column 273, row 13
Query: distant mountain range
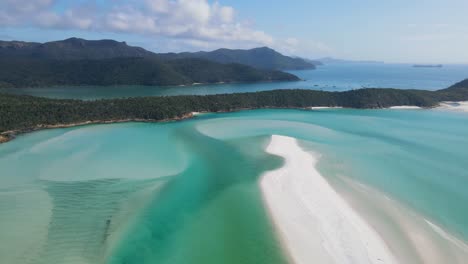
column 77, row 61
column 78, row 49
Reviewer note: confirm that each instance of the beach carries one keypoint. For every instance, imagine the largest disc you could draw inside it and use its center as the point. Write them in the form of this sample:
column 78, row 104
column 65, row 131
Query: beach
column 454, row 106
column 405, row 107
column 314, row 223
column 211, row 207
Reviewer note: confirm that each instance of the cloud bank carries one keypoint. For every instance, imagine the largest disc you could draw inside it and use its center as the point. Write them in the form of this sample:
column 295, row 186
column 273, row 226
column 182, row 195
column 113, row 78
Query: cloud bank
column 196, row 22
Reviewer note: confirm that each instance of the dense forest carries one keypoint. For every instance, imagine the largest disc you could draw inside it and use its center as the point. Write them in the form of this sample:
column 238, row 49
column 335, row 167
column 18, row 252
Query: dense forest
column 77, row 61
column 81, row 49
column 24, row 113
column 27, row 72
column 58, row 54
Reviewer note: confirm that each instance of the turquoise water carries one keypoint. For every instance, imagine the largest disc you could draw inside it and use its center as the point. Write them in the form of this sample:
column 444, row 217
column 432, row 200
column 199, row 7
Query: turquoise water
column 187, row 192
column 332, row 77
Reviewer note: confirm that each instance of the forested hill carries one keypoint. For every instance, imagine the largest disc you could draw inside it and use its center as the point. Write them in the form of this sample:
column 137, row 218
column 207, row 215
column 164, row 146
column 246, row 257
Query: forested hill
column 25, row 113
column 25, row 72
column 77, row 61
column 82, row 49
column 262, row 58
column 459, row 85
column 456, row 92
column 71, row 49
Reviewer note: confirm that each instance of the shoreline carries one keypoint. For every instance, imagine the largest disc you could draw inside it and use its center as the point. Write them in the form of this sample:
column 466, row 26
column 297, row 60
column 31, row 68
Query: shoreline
column 405, row 107
column 348, row 222
column 146, row 85
column 314, row 223
column 454, row 106
column 412, row 236
column 10, row 135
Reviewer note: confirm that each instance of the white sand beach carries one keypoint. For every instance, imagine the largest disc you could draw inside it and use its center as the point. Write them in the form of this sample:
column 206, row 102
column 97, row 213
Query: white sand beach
column 454, row 106
column 325, row 107
column 315, row 224
column 405, row 107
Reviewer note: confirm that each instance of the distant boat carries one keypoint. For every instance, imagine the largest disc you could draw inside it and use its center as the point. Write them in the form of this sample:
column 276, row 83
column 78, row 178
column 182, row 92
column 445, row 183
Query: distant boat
column 428, row 65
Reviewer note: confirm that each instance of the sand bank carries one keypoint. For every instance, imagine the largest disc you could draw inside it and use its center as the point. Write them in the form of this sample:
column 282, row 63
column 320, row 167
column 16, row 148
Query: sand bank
column 405, row 107
column 411, row 237
column 315, row 224
column 325, row 107
column 454, row 106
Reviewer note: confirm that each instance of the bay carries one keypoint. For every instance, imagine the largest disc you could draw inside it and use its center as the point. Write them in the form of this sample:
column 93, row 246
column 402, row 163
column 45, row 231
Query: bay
column 187, row 192
column 330, row 77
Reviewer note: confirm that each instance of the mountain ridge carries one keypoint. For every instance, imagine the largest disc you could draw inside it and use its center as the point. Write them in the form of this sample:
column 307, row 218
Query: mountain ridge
column 71, row 49
column 261, row 57
column 78, row 48
column 23, row 72
column 76, row 61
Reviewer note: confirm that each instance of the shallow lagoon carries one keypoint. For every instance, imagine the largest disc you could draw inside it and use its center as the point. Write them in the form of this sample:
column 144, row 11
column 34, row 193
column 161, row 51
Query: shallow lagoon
column 173, row 192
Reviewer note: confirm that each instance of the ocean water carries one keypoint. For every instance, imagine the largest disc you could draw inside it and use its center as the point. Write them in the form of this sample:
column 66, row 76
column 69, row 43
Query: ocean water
column 187, row 192
column 332, row 77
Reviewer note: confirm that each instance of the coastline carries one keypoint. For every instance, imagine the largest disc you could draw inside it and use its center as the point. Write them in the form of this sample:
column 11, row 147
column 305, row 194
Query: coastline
column 315, row 224
column 456, row 106
column 9, row 135
column 146, row 85
column 12, row 134
column 349, row 222
column 412, row 237
column 405, row 107
column 325, row 107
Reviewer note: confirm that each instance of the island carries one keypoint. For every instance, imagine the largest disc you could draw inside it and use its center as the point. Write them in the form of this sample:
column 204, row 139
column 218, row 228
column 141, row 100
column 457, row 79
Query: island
column 30, row 72
column 75, row 61
column 22, row 113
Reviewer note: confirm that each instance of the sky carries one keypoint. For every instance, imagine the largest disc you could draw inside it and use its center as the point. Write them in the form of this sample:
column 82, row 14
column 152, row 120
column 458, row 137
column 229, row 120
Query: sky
column 403, row 31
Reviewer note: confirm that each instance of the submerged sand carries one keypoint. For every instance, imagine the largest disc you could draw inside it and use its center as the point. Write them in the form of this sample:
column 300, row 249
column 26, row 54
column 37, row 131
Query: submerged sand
column 454, row 106
column 315, row 224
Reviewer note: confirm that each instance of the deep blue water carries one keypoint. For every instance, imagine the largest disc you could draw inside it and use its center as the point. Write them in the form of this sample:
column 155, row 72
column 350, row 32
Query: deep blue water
column 332, row 77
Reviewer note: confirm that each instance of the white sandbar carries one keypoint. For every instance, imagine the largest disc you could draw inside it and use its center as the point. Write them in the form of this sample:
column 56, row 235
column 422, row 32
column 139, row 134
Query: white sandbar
column 325, row 107
column 454, row 106
column 405, row 107
column 315, row 224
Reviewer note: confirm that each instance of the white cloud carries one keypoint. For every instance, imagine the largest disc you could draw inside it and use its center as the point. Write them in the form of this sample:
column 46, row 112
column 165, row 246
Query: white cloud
column 225, row 14
column 26, row 6
column 159, row 6
column 18, row 12
column 199, row 24
column 191, row 20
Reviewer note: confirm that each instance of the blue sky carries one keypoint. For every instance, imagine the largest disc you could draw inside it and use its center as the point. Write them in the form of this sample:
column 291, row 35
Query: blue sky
column 412, row 31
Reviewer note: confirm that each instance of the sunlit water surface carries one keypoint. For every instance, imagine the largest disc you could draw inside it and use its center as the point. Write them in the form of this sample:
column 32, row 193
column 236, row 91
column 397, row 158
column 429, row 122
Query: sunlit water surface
column 187, row 192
